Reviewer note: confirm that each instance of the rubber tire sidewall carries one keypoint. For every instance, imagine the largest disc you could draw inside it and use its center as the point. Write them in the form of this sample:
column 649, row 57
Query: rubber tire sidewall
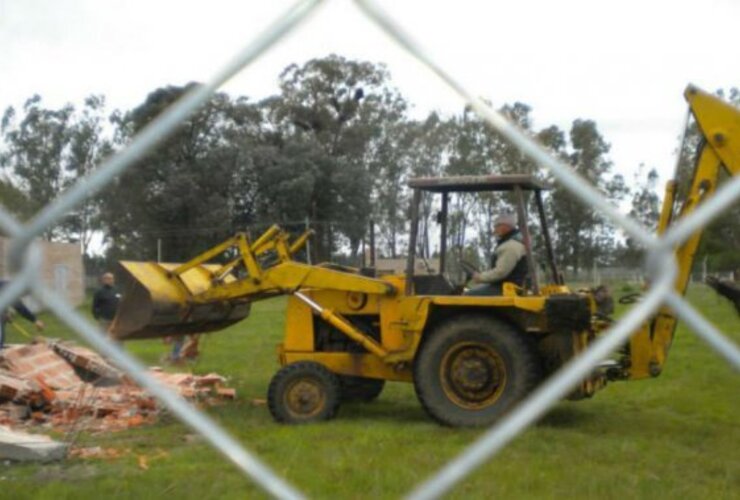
column 520, row 364
column 302, row 369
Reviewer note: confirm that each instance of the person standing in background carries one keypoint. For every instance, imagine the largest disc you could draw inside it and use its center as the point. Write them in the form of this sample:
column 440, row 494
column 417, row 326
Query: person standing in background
column 105, row 302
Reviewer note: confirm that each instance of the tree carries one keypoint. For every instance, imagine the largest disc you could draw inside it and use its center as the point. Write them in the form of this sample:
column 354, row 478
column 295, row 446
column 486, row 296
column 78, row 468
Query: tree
column 88, row 146
column 645, row 208
column 473, row 152
column 46, row 152
column 478, row 149
column 191, row 191
column 645, row 201
column 14, row 200
column 342, row 107
column 35, row 153
column 582, row 235
column 392, row 165
column 431, row 143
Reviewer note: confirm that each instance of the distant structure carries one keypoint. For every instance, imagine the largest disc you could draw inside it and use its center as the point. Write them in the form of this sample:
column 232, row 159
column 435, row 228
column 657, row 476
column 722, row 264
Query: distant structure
column 398, row 266
column 62, row 269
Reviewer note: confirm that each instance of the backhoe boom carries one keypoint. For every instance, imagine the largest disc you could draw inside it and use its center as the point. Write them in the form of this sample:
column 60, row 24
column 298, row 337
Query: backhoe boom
column 719, row 125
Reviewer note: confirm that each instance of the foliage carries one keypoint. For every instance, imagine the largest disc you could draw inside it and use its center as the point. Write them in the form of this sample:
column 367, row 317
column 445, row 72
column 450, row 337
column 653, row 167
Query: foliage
column 14, row 200
column 46, row 151
column 645, row 208
column 582, row 236
column 345, row 114
column 88, row 146
column 190, row 185
column 37, row 145
column 334, row 148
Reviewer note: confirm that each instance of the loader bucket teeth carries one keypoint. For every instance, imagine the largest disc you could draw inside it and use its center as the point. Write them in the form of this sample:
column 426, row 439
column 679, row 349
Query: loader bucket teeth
column 156, row 303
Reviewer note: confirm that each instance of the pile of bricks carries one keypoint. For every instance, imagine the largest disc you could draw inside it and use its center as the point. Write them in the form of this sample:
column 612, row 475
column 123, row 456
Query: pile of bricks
column 64, row 387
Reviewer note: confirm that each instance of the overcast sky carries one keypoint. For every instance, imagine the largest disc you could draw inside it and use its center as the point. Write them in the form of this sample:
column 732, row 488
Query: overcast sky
column 621, row 63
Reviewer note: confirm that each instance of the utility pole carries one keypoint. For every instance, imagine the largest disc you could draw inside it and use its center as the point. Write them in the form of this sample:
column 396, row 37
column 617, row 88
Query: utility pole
column 372, row 243
column 308, row 242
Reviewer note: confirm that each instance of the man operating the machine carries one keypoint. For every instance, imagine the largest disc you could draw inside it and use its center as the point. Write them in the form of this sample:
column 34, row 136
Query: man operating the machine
column 509, row 262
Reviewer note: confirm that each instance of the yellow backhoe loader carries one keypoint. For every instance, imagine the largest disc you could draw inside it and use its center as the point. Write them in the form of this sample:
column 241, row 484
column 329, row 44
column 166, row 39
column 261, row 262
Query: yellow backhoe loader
column 470, row 358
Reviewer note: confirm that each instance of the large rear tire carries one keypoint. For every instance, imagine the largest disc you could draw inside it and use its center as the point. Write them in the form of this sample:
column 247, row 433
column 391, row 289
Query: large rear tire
column 473, row 369
column 303, row 392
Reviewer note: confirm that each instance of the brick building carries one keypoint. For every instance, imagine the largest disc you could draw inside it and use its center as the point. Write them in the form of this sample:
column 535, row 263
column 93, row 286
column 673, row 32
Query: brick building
column 62, row 269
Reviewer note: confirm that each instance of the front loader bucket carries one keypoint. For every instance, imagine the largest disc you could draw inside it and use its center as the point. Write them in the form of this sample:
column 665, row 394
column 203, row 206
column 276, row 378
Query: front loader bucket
column 157, row 303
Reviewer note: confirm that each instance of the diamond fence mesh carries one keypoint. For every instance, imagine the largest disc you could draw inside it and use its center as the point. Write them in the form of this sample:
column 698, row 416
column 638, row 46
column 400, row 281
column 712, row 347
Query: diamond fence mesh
column 25, row 258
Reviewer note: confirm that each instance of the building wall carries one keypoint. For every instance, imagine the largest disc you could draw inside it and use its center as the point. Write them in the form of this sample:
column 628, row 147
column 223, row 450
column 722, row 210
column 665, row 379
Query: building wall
column 62, row 269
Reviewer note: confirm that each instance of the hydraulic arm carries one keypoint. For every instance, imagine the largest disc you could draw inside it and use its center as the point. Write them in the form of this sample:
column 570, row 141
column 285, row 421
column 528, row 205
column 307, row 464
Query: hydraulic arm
column 719, row 125
column 195, row 297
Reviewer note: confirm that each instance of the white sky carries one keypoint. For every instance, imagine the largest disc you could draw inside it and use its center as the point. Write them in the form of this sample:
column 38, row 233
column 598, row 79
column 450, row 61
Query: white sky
column 621, row 63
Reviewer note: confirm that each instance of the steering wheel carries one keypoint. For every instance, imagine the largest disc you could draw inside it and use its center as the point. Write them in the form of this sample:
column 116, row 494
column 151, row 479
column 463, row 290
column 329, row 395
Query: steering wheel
column 469, row 269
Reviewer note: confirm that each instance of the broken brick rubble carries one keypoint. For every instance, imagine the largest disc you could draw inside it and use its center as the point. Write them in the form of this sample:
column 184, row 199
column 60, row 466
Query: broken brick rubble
column 12, row 387
column 38, row 361
column 56, row 385
column 86, row 360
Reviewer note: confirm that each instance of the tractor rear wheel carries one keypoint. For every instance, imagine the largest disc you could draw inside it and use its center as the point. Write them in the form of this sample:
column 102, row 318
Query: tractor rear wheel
column 303, row 392
column 360, row 388
column 473, row 369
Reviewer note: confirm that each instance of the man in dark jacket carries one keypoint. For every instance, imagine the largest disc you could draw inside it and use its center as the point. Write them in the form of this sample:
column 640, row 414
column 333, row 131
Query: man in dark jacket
column 105, row 302
column 20, row 308
column 509, row 260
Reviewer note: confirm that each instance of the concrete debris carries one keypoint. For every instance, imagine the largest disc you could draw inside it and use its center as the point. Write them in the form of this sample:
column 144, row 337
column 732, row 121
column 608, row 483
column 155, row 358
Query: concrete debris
column 21, row 446
column 64, row 387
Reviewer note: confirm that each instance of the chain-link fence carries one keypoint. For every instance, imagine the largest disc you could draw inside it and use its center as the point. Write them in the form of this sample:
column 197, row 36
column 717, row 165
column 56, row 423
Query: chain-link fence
column 660, row 265
column 181, row 244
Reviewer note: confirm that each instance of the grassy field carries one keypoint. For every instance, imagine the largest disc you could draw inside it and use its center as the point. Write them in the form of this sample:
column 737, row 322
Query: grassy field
column 676, row 436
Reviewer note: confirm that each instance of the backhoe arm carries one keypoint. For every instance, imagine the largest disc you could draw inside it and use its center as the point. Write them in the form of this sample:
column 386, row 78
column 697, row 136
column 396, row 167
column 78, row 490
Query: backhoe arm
column 719, row 125
column 196, row 297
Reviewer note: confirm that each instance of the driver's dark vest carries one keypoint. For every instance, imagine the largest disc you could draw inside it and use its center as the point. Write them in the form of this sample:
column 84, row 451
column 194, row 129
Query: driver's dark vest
column 519, row 274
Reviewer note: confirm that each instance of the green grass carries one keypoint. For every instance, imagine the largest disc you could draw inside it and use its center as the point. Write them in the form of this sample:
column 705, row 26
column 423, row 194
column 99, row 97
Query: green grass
column 676, row 436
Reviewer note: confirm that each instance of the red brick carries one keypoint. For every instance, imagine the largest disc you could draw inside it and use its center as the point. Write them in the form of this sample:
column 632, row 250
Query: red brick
column 210, row 379
column 22, row 366
column 12, row 387
column 226, row 392
column 40, row 360
column 187, row 392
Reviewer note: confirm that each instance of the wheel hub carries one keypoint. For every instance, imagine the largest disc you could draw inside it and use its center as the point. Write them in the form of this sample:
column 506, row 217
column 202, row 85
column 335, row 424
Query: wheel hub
column 305, row 398
column 473, row 375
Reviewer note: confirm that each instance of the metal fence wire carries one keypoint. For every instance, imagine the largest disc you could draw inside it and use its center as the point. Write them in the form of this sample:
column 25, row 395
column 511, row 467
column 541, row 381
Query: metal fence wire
column 25, row 259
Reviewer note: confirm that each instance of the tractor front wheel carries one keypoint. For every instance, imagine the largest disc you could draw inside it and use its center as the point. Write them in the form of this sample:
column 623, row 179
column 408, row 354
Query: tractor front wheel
column 472, row 370
column 303, row 392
